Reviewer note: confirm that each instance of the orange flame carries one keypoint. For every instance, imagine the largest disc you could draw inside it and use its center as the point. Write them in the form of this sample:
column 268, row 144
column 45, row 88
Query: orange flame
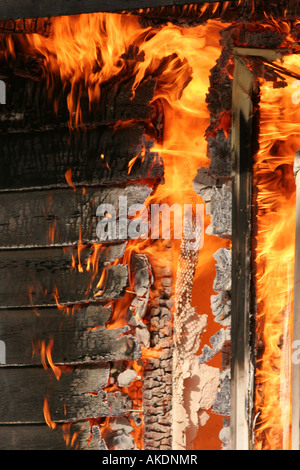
column 131, row 163
column 70, row 439
column 68, row 176
column 46, row 355
column 51, row 231
column 56, row 369
column 47, row 416
column 30, row 291
column 273, row 177
column 62, row 308
column 87, row 50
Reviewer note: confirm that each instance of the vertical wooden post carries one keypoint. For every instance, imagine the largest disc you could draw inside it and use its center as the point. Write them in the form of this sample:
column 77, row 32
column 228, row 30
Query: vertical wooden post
column 241, row 386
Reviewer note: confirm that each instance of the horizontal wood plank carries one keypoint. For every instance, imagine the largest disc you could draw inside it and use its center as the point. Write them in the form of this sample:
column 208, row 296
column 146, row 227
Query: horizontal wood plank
column 59, row 158
column 77, row 395
column 59, row 217
column 29, row 102
column 12, row 9
column 71, row 337
column 45, row 277
column 75, row 436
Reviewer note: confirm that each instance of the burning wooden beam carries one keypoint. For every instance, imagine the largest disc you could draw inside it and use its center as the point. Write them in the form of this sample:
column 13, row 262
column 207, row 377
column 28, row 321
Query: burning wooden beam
column 62, row 217
column 74, row 336
column 78, row 394
column 29, row 102
column 33, row 280
column 69, row 436
column 27, row 9
column 42, row 159
column 241, row 371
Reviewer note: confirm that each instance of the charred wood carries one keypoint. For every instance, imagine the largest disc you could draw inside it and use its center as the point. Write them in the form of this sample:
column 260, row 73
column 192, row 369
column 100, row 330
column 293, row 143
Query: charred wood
column 27, row 9
column 42, row 159
column 41, row 437
column 157, row 384
column 60, row 217
column 46, row 277
column 78, row 394
column 74, row 337
column 25, row 26
column 30, row 101
column 247, row 11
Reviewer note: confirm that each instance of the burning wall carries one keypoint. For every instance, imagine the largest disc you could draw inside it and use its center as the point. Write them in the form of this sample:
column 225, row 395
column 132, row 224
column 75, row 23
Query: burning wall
column 72, row 139
column 131, row 342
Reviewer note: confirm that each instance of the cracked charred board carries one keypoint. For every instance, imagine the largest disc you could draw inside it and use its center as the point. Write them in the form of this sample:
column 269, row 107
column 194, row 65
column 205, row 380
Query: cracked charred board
column 56, row 278
column 74, row 436
column 78, row 394
column 45, row 277
column 29, row 9
column 158, row 10
column 57, row 158
column 29, row 101
column 60, row 217
column 75, row 336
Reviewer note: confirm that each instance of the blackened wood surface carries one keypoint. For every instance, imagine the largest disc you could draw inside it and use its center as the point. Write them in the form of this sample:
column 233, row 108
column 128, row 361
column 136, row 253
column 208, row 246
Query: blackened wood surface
column 29, row 102
column 73, row 337
column 34, row 277
column 243, row 10
column 10, row 9
column 40, row 162
column 26, row 25
column 60, row 216
column 41, row 437
column 77, row 395
column 43, row 158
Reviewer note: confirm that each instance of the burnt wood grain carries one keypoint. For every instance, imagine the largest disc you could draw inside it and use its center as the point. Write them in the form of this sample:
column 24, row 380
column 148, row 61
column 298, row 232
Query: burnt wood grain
column 30, row 100
column 59, row 217
column 154, row 11
column 243, row 11
column 72, row 336
column 43, row 277
column 78, row 394
column 13, row 9
column 74, row 436
column 25, row 25
column 42, row 159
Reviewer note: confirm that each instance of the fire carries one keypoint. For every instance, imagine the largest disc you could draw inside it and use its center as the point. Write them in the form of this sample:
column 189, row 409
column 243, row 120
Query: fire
column 30, row 291
column 131, row 163
column 68, row 176
column 87, row 50
column 69, row 438
column 51, row 231
column 56, row 370
column 45, row 351
column 60, row 307
column 47, row 415
column 275, row 240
